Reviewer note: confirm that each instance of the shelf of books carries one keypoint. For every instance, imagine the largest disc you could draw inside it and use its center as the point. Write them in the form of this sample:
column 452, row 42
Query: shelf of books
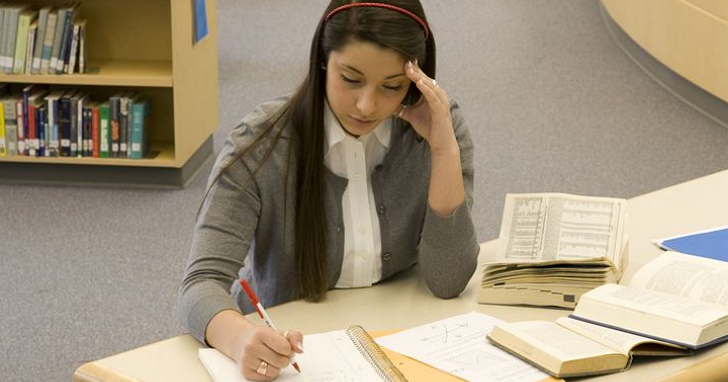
column 103, row 88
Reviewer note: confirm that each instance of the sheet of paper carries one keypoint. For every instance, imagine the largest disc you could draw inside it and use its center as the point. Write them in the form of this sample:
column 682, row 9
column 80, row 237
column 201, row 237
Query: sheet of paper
column 457, row 345
column 328, row 357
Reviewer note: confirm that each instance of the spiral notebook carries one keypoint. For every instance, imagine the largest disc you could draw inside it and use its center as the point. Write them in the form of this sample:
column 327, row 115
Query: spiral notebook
column 342, row 355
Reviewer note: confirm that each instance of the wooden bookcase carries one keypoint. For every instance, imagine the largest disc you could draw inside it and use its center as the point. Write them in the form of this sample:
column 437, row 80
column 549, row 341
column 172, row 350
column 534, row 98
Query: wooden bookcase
column 145, row 45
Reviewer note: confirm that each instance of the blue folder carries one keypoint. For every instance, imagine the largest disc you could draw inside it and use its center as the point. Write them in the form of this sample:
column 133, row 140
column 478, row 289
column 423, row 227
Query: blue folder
column 712, row 244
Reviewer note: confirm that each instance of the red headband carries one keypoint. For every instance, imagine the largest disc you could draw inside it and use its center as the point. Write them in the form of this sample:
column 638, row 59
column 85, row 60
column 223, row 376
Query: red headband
column 380, row 5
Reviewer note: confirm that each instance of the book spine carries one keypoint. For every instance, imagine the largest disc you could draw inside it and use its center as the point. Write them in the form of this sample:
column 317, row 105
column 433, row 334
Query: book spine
column 95, row 151
column 114, row 124
column 64, row 125
column 104, row 136
column 123, row 126
column 12, row 38
column 40, row 127
column 53, row 128
column 74, row 50
column 65, row 41
column 47, row 49
column 39, row 39
column 75, row 115
column 11, row 133
column 3, row 144
column 87, row 141
column 31, row 48
column 57, row 37
column 22, row 129
column 32, row 138
column 21, row 44
column 139, row 113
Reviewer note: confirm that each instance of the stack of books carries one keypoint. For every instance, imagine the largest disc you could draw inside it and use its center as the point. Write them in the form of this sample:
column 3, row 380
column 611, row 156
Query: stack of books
column 555, row 247
column 42, row 41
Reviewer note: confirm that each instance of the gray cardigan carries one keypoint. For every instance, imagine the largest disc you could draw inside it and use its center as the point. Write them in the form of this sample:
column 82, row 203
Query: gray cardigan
column 246, row 227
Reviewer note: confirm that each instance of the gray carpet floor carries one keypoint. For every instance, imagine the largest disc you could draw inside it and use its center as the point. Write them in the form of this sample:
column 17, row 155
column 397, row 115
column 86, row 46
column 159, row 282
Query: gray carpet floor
column 553, row 103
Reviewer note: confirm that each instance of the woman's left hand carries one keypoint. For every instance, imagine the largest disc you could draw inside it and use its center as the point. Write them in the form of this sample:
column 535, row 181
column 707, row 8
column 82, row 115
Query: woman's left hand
column 430, row 115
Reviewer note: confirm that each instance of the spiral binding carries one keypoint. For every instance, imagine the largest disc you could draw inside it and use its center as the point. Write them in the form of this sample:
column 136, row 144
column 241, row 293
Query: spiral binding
column 374, row 355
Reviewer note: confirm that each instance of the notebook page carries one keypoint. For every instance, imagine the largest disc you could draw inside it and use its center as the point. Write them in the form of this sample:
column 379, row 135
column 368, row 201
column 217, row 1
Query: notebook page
column 457, row 345
column 328, row 357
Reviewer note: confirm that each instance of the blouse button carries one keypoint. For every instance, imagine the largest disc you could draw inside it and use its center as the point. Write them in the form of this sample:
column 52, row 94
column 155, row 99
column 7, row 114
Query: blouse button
column 386, row 257
column 379, row 168
column 381, row 209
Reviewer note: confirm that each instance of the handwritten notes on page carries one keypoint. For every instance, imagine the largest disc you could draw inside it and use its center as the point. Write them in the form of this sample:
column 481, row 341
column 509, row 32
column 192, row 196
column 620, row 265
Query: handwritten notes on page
column 329, row 357
column 457, row 345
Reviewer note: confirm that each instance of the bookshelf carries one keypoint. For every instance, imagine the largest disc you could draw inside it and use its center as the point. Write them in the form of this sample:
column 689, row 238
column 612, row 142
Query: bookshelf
column 147, row 46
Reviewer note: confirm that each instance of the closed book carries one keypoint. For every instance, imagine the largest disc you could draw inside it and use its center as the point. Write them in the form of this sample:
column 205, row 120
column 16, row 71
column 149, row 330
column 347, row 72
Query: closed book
column 10, row 34
column 95, row 136
column 49, row 36
column 21, row 128
column 3, row 144
column 125, row 103
column 72, row 56
column 40, row 123
column 104, row 131
column 39, row 40
column 25, row 18
column 53, row 134
column 67, row 35
column 11, row 127
column 65, row 119
column 114, row 125
column 32, row 30
column 57, row 38
column 139, row 138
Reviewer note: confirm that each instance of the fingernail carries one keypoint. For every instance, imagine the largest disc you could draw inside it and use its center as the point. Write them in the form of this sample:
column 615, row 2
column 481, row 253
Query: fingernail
column 416, row 61
column 409, row 64
column 299, row 345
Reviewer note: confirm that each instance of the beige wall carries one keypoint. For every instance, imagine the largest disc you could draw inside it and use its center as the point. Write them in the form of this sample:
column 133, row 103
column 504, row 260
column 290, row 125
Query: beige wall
column 688, row 36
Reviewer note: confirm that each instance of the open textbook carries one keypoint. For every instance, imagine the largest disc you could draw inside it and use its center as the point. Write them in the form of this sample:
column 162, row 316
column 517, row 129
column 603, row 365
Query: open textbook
column 677, row 298
column 555, row 247
column 342, row 355
column 570, row 348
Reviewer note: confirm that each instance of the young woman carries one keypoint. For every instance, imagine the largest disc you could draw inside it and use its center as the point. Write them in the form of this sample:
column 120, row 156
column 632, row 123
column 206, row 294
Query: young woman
column 365, row 170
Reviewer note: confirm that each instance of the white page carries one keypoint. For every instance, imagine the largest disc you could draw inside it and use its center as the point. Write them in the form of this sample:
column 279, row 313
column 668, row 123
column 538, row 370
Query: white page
column 693, row 277
column 328, row 357
column 458, row 345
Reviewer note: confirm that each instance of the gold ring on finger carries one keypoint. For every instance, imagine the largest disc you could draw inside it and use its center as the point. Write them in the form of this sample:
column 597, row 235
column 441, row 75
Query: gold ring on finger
column 262, row 368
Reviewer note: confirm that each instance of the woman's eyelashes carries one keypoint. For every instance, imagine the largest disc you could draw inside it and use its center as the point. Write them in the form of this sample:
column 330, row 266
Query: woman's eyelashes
column 394, row 88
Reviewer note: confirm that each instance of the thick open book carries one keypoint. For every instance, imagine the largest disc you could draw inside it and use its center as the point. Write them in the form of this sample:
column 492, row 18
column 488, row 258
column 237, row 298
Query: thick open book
column 555, row 247
column 676, row 298
column 569, row 347
column 343, row 355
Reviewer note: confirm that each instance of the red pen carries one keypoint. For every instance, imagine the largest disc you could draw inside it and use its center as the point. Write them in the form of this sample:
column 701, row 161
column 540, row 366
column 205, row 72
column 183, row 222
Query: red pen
column 263, row 314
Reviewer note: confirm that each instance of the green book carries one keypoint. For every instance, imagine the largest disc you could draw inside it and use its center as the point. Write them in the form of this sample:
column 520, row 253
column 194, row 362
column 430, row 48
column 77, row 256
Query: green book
column 21, row 42
column 139, row 112
column 104, row 136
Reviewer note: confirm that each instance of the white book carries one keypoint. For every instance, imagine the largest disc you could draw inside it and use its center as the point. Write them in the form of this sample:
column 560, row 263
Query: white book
column 48, row 39
column 39, row 39
column 675, row 298
column 32, row 30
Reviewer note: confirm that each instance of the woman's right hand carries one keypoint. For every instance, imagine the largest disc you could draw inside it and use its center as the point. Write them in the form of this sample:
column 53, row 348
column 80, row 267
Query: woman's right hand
column 263, row 352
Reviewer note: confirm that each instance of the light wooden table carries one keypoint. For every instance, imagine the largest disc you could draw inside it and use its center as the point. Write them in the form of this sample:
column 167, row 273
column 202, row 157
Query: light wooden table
column 404, row 301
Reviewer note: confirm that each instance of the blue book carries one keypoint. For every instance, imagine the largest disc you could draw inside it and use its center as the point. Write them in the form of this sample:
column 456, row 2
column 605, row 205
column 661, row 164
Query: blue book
column 712, row 243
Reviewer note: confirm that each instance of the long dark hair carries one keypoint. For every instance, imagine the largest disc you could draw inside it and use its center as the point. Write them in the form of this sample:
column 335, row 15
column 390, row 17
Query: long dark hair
column 304, row 113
